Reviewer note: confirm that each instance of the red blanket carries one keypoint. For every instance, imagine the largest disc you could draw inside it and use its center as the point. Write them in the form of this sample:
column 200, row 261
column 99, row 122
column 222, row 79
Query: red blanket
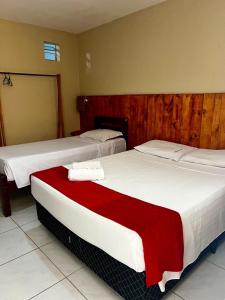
column 160, row 228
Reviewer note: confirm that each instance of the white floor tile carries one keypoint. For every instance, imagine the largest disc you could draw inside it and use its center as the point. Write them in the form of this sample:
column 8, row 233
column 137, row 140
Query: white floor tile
column 27, row 276
column 24, row 215
column 66, row 261
column 13, row 244
column 6, row 224
column 21, row 199
column 206, row 282
column 219, row 257
column 38, row 233
column 63, row 290
column 172, row 296
column 92, row 286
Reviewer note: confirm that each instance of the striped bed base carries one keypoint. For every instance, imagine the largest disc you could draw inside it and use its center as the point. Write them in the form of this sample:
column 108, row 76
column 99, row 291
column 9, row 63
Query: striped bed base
column 125, row 281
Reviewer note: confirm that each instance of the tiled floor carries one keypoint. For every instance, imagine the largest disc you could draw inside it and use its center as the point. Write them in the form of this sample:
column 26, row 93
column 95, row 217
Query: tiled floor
column 34, row 265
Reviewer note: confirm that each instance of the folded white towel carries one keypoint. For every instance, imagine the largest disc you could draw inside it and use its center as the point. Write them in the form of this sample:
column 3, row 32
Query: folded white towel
column 92, row 164
column 85, row 174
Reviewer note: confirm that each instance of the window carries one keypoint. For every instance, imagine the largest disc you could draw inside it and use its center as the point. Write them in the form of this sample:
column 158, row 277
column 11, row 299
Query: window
column 51, row 51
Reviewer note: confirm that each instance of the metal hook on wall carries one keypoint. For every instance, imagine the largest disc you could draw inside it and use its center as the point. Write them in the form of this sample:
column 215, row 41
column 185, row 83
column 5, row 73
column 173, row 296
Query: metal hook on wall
column 7, row 80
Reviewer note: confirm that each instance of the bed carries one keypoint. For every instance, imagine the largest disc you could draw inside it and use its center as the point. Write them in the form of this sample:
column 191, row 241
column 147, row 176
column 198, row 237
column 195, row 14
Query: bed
column 196, row 191
column 18, row 162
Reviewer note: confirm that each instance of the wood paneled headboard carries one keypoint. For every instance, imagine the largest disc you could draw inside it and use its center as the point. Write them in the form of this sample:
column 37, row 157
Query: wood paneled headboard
column 193, row 119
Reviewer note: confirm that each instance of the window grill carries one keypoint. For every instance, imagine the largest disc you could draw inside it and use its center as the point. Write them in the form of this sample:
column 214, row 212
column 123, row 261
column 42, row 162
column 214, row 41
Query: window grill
column 51, row 51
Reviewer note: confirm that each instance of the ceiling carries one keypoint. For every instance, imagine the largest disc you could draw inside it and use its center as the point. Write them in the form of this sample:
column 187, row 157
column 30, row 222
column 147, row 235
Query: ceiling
column 70, row 15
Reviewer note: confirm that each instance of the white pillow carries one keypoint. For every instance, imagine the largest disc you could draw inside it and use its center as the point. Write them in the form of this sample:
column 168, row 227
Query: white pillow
column 206, row 157
column 165, row 149
column 101, row 135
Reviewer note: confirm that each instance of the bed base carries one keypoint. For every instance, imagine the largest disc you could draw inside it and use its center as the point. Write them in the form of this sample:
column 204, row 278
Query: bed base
column 125, row 281
column 6, row 188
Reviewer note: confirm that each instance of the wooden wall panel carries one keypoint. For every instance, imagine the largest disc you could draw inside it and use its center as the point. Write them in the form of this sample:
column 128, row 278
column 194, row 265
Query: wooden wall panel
column 151, row 115
column 207, row 118
column 193, row 119
column 196, row 120
column 137, row 120
column 176, row 119
column 221, row 142
column 215, row 130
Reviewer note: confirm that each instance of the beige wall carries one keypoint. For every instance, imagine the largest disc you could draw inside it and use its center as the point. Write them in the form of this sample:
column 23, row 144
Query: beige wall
column 29, row 107
column 177, row 46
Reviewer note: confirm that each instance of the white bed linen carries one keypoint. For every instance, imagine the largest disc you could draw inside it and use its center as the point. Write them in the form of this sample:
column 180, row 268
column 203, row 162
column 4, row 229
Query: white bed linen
column 18, row 162
column 197, row 192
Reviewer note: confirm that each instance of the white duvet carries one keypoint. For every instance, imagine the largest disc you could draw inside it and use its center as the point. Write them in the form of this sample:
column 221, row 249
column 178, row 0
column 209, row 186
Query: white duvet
column 18, row 162
column 197, row 192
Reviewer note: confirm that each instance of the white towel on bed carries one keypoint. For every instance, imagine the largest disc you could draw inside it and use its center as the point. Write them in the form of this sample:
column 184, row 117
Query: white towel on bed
column 85, row 174
column 92, row 164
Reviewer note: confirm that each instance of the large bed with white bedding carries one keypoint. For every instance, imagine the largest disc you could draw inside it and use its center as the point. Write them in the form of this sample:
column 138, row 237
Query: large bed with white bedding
column 18, row 162
column 195, row 191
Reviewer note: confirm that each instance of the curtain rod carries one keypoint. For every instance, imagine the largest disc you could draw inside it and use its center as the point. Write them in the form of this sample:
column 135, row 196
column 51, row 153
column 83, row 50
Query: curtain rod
column 29, row 74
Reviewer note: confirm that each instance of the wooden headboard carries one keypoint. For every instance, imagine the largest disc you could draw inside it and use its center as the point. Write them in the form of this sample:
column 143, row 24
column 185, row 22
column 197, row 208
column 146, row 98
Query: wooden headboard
column 193, row 119
column 115, row 123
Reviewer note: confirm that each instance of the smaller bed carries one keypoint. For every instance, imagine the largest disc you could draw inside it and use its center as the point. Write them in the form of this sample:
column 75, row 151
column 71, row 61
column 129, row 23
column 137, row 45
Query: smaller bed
column 18, row 162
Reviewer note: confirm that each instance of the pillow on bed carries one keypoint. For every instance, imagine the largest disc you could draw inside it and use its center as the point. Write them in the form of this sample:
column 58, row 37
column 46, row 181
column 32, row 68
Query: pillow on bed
column 165, row 149
column 101, row 135
column 206, row 157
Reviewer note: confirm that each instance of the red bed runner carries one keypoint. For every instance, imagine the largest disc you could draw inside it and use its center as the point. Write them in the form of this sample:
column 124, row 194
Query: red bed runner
column 160, row 228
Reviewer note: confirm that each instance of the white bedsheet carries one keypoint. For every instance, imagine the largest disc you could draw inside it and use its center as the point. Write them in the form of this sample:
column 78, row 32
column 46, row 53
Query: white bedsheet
column 18, row 162
column 197, row 192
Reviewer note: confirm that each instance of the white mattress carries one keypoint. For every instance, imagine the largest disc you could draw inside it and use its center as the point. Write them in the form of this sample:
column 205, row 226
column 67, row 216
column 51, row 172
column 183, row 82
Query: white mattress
column 197, row 192
column 18, row 162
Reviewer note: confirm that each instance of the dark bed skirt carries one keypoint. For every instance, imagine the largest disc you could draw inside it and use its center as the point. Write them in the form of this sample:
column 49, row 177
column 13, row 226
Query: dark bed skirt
column 125, row 281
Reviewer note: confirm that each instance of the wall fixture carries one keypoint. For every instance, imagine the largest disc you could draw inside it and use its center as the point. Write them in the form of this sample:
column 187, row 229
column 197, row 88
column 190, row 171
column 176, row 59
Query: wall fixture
column 7, row 80
column 88, row 61
column 82, row 102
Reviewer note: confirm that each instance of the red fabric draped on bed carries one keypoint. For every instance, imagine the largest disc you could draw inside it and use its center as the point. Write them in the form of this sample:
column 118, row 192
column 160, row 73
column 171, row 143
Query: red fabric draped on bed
column 160, row 228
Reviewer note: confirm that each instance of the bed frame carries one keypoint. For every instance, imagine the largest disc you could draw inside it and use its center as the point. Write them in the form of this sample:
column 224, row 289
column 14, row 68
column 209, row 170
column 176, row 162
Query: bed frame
column 8, row 187
column 125, row 281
